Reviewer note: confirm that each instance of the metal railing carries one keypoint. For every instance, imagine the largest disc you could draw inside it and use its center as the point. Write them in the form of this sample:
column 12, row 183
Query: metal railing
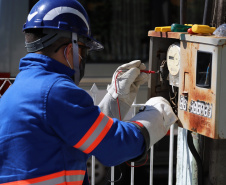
column 94, row 91
column 5, row 83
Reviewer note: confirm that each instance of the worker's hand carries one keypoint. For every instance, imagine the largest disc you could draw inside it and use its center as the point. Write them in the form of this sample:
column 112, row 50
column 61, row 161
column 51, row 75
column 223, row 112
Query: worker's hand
column 124, row 86
column 127, row 80
column 157, row 117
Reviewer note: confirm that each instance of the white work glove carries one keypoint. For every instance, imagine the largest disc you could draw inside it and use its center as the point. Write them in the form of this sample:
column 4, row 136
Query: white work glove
column 129, row 79
column 157, row 118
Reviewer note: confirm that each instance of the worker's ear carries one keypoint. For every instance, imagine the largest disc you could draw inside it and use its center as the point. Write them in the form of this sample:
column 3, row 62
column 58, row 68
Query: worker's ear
column 69, row 51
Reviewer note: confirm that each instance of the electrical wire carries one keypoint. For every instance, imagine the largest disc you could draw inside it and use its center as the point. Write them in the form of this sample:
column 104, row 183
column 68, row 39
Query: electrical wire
column 120, row 120
column 116, row 93
column 117, row 179
column 140, row 164
column 173, row 95
column 214, row 12
column 142, row 71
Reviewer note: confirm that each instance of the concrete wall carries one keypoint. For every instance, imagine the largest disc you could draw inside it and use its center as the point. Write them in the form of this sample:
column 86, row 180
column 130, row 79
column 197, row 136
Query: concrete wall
column 13, row 14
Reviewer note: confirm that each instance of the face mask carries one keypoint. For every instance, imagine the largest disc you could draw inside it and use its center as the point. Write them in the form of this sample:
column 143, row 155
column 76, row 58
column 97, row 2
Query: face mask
column 82, row 61
column 83, row 57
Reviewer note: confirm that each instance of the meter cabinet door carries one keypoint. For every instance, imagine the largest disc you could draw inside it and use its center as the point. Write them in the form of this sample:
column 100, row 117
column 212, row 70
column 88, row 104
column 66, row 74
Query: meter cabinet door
column 197, row 88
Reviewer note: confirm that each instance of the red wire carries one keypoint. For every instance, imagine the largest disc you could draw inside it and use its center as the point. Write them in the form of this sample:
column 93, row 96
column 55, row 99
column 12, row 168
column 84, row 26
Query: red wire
column 140, row 164
column 121, row 118
column 147, row 71
column 117, row 97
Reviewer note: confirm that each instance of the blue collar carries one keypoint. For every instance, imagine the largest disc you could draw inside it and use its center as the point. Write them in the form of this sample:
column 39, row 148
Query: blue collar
column 34, row 60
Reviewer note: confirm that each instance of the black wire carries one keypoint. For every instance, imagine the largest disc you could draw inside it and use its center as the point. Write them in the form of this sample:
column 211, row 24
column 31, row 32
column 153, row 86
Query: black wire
column 196, row 156
column 204, row 22
column 173, row 100
column 118, row 178
column 183, row 10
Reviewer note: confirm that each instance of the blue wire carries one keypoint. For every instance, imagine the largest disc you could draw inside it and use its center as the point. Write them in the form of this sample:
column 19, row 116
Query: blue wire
column 207, row 73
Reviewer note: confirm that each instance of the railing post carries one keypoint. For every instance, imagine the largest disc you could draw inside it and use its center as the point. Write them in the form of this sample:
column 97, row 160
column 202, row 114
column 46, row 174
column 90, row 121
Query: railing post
column 112, row 175
column 93, row 171
column 132, row 163
column 170, row 180
column 94, row 90
column 132, row 173
column 151, row 164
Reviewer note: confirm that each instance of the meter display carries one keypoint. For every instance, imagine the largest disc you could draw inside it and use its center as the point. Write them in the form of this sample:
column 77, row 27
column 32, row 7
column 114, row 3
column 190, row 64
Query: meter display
column 173, row 64
column 204, row 64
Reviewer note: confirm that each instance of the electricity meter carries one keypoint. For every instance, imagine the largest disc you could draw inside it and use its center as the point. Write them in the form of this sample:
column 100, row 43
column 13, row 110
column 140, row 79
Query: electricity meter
column 202, row 89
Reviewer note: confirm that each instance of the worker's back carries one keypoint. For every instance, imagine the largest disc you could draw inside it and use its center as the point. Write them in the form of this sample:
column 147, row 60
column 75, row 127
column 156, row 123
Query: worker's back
column 29, row 146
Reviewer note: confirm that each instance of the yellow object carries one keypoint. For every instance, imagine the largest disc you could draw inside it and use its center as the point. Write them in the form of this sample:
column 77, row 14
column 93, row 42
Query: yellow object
column 202, row 29
column 163, row 28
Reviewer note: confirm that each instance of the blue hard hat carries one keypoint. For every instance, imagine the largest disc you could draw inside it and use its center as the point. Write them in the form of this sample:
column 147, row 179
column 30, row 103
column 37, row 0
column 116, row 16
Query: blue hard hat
column 62, row 15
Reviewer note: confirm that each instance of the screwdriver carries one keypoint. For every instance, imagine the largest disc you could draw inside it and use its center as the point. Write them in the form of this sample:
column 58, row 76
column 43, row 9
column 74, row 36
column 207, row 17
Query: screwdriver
column 179, row 28
column 148, row 71
column 143, row 71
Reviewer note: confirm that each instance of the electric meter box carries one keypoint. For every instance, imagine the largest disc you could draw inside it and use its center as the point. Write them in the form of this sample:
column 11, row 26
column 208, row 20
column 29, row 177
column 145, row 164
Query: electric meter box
column 202, row 85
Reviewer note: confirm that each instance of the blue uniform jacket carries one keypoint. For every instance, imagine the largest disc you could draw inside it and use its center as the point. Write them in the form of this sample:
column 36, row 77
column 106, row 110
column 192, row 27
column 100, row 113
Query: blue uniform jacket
column 49, row 127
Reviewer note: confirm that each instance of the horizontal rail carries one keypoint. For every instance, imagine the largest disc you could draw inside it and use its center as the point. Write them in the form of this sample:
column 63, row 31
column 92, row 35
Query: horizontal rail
column 7, row 78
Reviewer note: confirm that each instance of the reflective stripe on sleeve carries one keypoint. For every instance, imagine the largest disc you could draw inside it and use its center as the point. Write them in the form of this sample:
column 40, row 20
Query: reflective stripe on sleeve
column 144, row 132
column 138, row 123
column 95, row 134
column 73, row 177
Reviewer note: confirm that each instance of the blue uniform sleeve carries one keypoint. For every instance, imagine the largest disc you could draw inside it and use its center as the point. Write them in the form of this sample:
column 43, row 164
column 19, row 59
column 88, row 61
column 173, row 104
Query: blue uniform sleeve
column 70, row 112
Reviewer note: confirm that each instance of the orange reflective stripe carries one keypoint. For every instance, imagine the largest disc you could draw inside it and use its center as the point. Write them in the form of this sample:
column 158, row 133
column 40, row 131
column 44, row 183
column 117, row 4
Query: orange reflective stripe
column 52, row 177
column 95, row 134
column 36, row 180
column 140, row 124
column 75, row 172
column 47, row 177
column 100, row 137
column 71, row 183
column 90, row 131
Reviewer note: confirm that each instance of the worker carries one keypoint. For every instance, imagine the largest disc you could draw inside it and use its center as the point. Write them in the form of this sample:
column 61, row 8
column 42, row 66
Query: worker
column 49, row 126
